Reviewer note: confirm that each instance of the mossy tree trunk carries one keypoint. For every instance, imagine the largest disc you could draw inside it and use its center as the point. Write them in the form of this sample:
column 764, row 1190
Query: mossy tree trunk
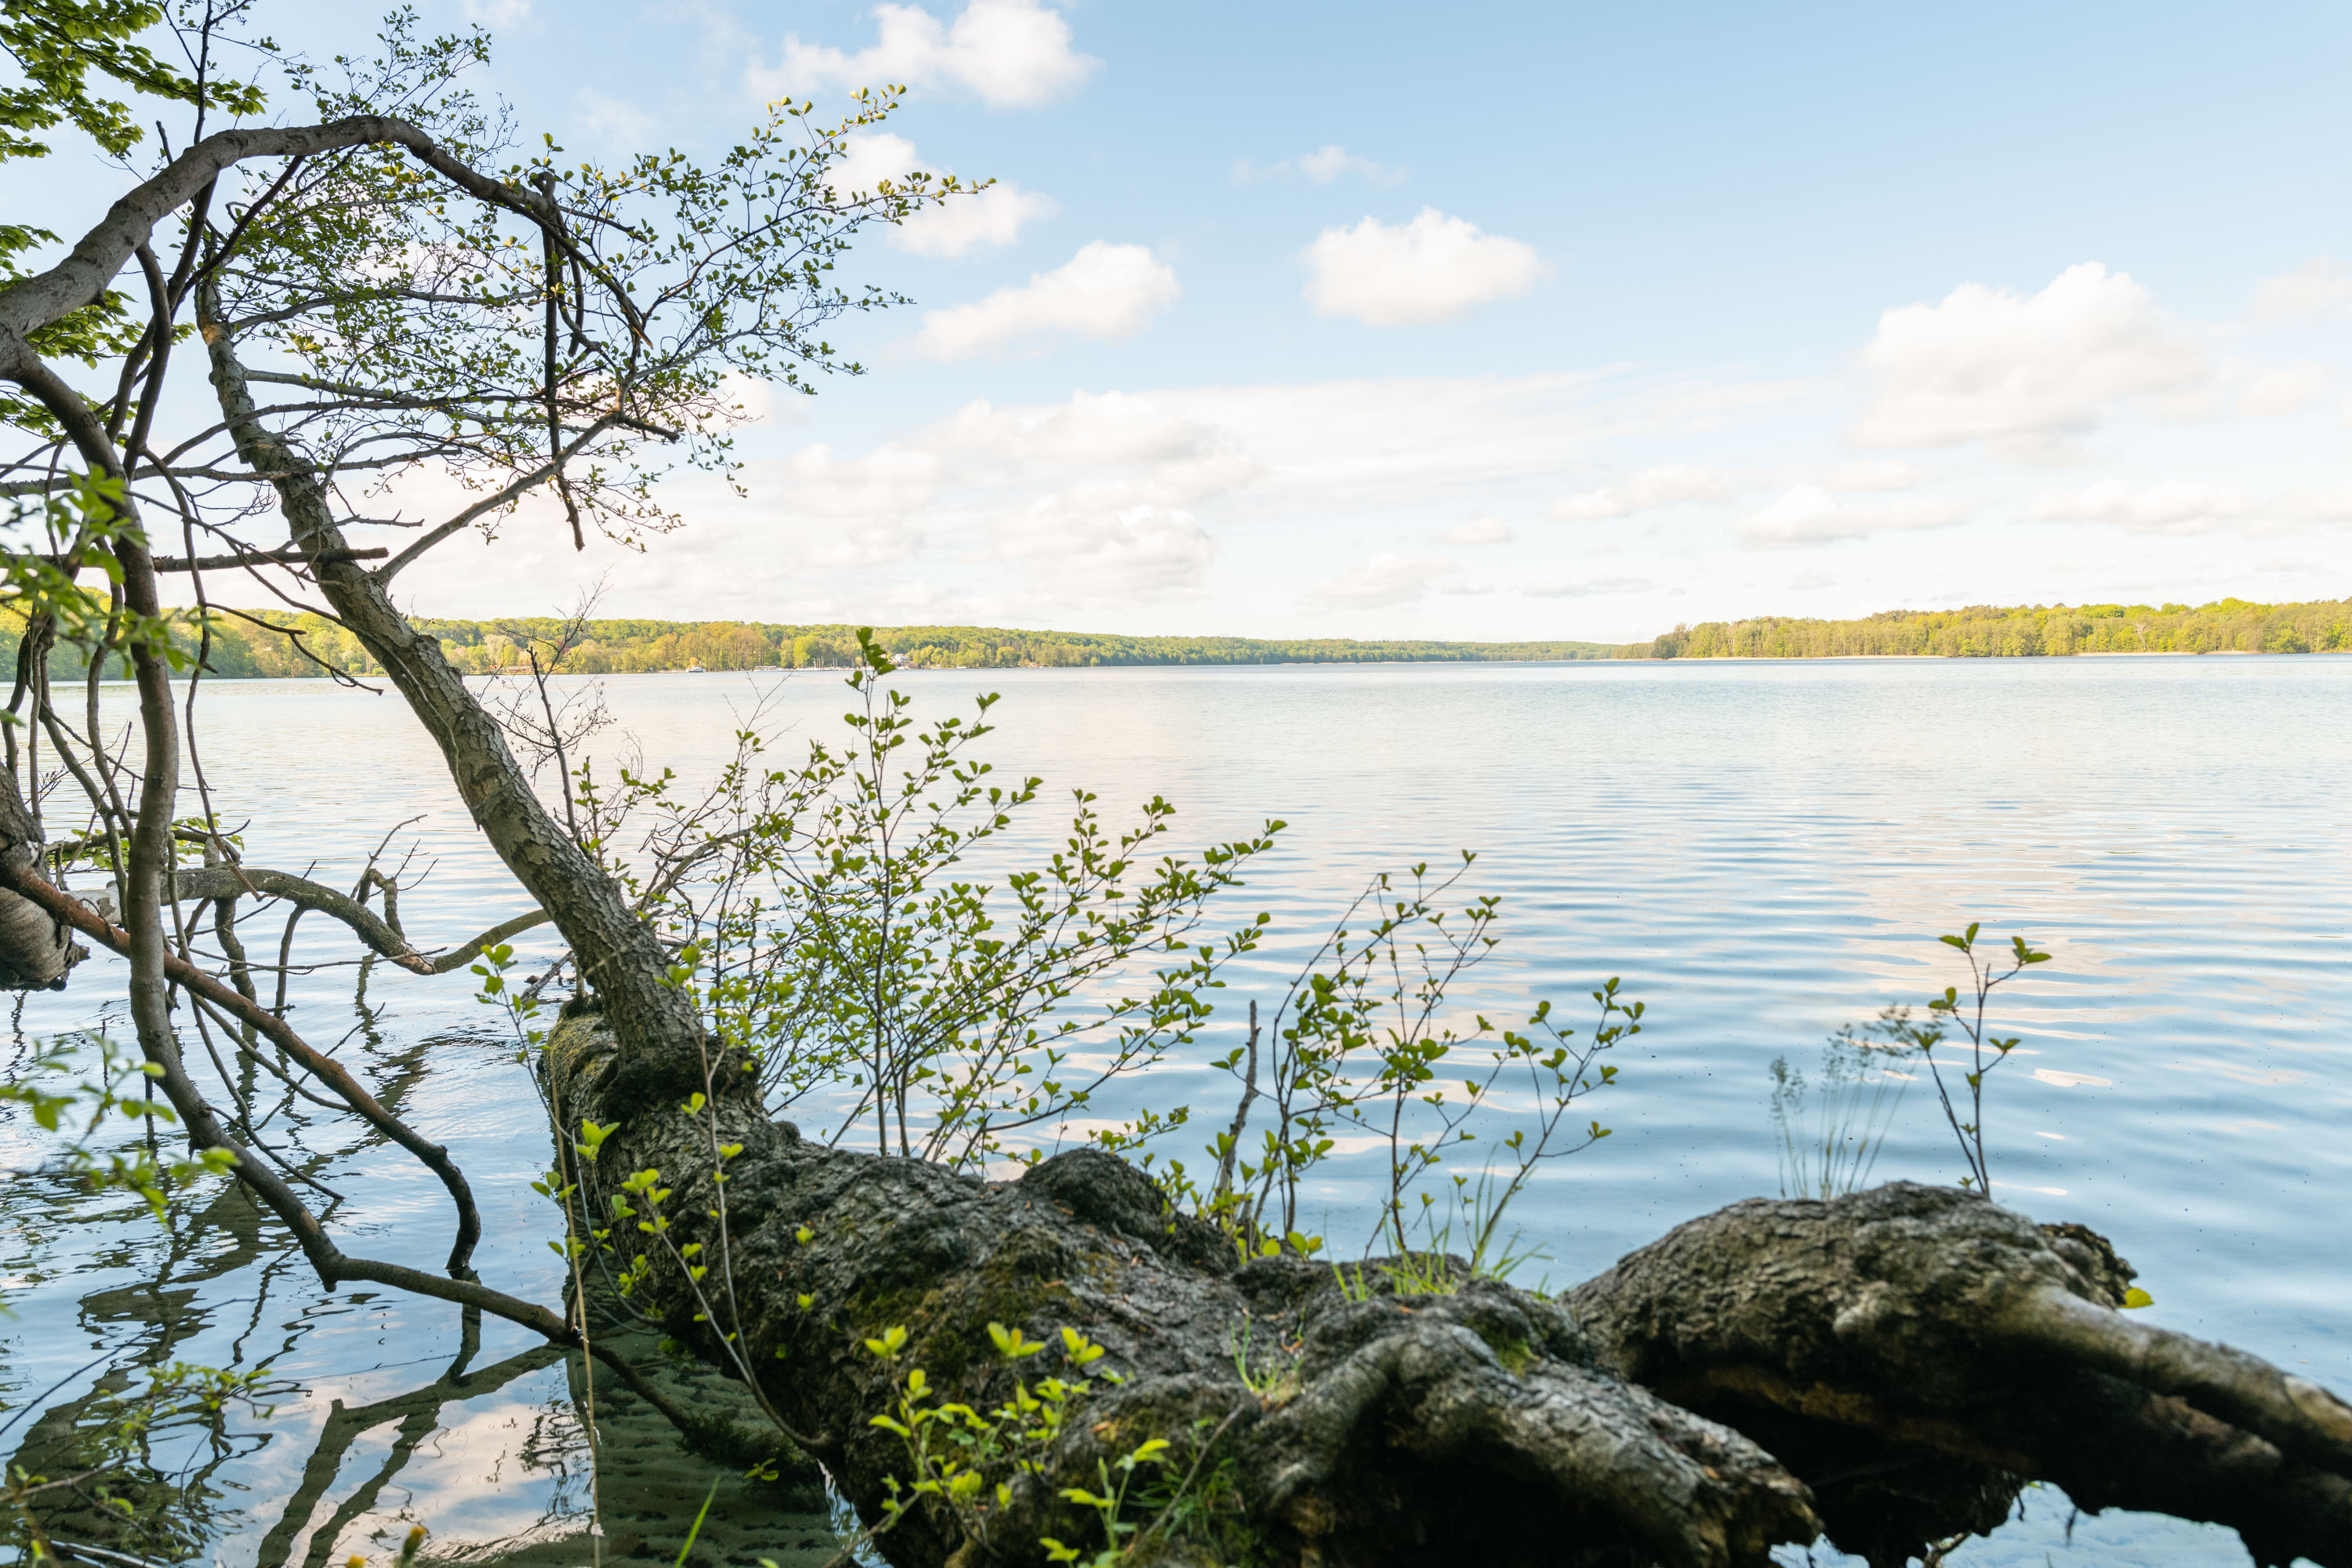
column 1891, row 1367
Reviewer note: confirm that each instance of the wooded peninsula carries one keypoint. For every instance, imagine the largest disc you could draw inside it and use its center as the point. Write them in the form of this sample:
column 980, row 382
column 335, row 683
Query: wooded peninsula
column 2023, row 631
column 274, row 643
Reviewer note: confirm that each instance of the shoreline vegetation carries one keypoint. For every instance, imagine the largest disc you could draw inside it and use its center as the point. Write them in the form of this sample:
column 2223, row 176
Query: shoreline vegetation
column 2025, row 631
column 267, row 644
column 274, row 643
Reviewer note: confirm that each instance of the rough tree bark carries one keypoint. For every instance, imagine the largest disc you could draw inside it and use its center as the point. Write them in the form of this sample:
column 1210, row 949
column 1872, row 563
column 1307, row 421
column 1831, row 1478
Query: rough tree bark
column 1890, row 1368
column 1918, row 1353
column 36, row 954
column 615, row 951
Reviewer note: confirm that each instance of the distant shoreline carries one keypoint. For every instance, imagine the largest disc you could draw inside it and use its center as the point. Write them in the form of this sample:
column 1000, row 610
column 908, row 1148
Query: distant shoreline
column 281, row 644
column 2025, row 631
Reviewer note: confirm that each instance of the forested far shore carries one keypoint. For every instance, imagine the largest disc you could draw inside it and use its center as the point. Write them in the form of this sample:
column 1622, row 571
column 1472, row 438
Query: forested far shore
column 270, row 644
column 276, row 643
column 2023, row 631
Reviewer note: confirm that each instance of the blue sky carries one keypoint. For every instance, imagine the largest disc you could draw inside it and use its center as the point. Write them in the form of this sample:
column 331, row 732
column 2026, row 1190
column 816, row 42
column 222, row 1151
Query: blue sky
column 1512, row 322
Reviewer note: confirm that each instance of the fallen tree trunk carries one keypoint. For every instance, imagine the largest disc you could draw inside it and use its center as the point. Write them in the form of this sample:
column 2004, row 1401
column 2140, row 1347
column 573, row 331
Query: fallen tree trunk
column 1918, row 1354
column 1890, row 1367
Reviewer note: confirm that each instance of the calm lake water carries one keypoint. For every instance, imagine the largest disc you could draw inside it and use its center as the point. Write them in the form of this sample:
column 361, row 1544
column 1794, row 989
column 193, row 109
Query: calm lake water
column 1762, row 851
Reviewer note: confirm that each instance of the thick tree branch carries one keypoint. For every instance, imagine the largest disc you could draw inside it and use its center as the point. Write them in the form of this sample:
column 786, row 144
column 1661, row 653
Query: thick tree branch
column 230, row 881
column 284, row 555
column 616, row 951
column 2299, row 1417
column 84, row 276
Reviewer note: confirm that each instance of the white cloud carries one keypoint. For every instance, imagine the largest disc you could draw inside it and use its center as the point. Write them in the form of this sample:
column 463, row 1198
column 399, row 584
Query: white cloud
column 1589, row 587
column 612, row 120
column 869, row 158
column 2171, row 506
column 2193, row 507
column 2275, row 393
column 1174, row 454
column 1299, row 449
column 1088, row 501
column 1876, row 474
column 1811, row 515
column 1010, row 54
column 1673, row 485
column 2311, row 289
column 990, row 219
column 1029, row 510
column 1478, row 530
column 746, row 399
column 1106, row 291
column 873, row 543
column 1091, row 558
column 1323, row 165
column 2316, row 504
column 2022, row 374
column 885, row 482
column 987, row 219
column 1386, row 579
column 1435, row 268
column 1805, row 582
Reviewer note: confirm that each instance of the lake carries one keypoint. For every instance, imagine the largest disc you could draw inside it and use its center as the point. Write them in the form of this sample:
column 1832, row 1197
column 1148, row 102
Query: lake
column 1761, row 851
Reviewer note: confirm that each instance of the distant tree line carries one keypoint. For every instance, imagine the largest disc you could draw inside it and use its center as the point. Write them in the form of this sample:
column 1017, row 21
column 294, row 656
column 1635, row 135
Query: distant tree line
column 280, row 643
column 276, row 643
column 2025, row 631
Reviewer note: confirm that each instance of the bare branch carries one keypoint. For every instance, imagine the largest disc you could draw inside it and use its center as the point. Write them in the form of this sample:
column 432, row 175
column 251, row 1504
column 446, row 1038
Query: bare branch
column 285, row 555
column 502, row 496
column 230, row 881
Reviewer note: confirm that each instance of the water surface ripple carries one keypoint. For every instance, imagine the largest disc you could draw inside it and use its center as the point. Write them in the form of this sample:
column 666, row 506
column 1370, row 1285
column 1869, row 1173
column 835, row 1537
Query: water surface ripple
column 1762, row 851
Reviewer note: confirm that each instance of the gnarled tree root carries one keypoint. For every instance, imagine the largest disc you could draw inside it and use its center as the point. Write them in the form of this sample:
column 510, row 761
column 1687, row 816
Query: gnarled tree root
column 1917, row 1353
column 1890, row 1367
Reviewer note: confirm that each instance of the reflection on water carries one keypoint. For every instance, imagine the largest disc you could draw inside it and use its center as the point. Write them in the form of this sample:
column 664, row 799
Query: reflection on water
column 1762, row 851
column 377, row 1418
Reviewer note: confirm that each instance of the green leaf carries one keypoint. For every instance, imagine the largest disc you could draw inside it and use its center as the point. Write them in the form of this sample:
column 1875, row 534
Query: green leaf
column 1012, row 1343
